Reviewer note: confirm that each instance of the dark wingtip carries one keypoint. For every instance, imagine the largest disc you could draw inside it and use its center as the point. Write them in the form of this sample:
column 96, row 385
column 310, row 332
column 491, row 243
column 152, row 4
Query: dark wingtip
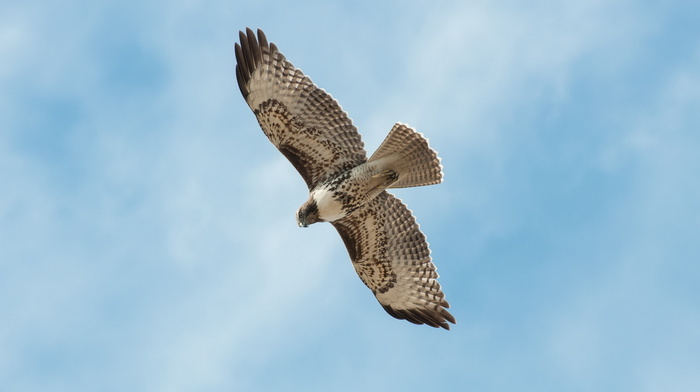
column 249, row 56
column 434, row 318
column 262, row 39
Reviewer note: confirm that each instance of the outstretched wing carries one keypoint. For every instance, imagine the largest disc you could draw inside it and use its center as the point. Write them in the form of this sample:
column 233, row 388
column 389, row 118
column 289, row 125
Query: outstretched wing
column 391, row 256
column 303, row 121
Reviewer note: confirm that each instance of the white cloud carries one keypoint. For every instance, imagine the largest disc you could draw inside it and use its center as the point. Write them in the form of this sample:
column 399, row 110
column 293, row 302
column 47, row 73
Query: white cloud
column 637, row 315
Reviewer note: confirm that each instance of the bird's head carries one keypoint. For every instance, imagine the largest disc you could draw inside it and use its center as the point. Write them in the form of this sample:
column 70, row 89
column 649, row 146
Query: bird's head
column 308, row 214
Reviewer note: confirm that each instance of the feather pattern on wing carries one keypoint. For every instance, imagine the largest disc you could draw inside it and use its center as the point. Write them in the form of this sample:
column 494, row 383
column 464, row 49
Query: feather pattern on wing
column 391, row 256
column 303, row 121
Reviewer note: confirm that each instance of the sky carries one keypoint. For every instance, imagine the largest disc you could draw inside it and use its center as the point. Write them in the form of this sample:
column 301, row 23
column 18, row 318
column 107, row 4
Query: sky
column 147, row 227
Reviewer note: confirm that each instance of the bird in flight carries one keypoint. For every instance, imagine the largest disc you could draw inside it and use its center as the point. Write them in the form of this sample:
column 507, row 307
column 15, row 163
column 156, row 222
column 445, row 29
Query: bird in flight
column 386, row 246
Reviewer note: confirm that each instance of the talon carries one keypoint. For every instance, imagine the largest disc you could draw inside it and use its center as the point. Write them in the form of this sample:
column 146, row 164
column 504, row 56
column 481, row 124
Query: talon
column 389, row 174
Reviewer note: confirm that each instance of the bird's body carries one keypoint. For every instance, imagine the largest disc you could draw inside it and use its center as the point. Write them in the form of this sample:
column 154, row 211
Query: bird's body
column 342, row 195
column 385, row 244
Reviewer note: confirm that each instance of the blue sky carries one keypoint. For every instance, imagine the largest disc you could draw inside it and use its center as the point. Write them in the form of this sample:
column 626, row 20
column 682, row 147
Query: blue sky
column 147, row 231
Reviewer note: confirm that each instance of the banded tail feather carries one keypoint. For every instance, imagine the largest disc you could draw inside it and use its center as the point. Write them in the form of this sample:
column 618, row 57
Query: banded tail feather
column 407, row 152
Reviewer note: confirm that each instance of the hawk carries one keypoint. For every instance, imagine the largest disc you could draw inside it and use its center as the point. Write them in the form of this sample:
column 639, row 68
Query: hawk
column 386, row 246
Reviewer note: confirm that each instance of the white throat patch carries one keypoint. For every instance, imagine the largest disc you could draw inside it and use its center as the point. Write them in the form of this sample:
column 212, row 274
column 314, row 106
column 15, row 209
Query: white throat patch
column 329, row 209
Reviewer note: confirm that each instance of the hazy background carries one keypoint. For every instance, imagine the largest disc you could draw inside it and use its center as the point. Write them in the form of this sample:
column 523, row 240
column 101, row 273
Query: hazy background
column 147, row 231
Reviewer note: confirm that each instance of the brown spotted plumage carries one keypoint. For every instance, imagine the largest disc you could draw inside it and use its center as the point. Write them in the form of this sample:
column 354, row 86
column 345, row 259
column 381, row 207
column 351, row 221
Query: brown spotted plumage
column 385, row 244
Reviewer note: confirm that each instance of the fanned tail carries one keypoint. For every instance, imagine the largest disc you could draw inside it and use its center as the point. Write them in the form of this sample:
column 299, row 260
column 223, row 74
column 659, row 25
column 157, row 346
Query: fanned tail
column 406, row 152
